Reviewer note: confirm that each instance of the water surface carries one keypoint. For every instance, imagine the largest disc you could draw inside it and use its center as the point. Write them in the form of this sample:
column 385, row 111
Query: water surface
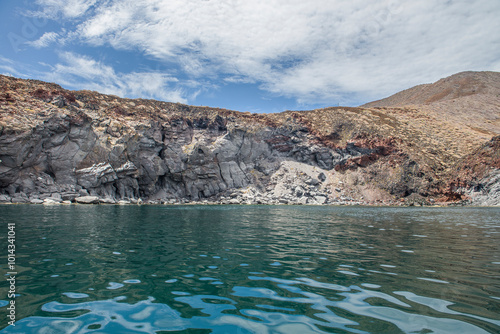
column 253, row 269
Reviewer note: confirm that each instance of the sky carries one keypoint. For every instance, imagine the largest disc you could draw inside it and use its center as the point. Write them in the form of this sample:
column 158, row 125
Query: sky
column 257, row 55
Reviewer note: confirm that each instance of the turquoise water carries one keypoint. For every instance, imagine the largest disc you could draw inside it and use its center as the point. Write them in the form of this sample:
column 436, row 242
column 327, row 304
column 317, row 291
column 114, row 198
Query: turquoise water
column 253, row 269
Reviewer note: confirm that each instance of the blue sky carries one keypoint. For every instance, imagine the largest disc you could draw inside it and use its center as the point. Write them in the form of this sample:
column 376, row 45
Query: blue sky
column 257, row 56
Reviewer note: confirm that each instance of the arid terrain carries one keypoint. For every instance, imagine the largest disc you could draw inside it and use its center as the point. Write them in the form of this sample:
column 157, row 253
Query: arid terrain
column 430, row 144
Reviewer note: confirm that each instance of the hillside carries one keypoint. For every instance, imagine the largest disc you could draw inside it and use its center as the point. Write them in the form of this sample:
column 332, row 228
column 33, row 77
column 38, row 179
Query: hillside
column 463, row 84
column 470, row 99
column 59, row 145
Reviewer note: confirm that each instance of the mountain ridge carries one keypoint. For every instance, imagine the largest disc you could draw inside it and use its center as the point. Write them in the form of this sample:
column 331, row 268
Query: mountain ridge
column 452, row 87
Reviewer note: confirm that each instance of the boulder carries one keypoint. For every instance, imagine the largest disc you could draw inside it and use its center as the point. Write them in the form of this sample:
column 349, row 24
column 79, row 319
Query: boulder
column 55, row 198
column 322, row 177
column 107, row 201
column 20, row 199
column 234, row 201
column 82, row 192
column 87, row 200
column 302, row 200
column 312, row 182
column 5, row 199
column 321, row 199
column 50, row 201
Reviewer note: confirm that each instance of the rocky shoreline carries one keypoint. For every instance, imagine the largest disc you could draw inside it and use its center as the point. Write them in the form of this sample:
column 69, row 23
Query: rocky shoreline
column 244, row 196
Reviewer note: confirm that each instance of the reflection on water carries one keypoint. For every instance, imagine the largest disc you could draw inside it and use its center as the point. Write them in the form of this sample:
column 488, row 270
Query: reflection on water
column 254, row 269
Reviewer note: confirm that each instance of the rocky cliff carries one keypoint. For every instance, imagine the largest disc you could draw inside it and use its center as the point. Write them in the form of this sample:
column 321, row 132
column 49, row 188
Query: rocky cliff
column 58, row 145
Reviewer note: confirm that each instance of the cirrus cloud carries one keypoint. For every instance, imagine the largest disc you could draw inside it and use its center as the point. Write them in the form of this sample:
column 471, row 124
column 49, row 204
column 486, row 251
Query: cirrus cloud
column 312, row 51
column 82, row 72
column 44, row 41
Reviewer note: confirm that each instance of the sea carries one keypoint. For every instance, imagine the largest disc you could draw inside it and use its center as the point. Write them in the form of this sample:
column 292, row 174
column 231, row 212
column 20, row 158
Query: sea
column 249, row 269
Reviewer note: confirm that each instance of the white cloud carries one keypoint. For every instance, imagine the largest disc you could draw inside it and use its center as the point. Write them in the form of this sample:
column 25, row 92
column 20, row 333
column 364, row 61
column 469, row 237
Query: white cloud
column 81, row 72
column 9, row 67
column 45, row 40
column 6, row 60
column 314, row 51
column 67, row 8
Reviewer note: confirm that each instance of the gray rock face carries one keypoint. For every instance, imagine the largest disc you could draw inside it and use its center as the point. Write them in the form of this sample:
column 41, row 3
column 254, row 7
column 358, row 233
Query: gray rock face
column 84, row 160
column 486, row 191
column 20, row 198
column 4, row 199
column 96, row 175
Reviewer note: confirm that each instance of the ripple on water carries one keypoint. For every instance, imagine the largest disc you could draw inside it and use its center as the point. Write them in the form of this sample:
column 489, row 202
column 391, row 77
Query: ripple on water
column 173, row 280
column 114, row 285
column 132, row 281
column 303, row 279
column 180, row 293
column 432, row 280
column 275, row 308
column 75, row 295
column 273, row 311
